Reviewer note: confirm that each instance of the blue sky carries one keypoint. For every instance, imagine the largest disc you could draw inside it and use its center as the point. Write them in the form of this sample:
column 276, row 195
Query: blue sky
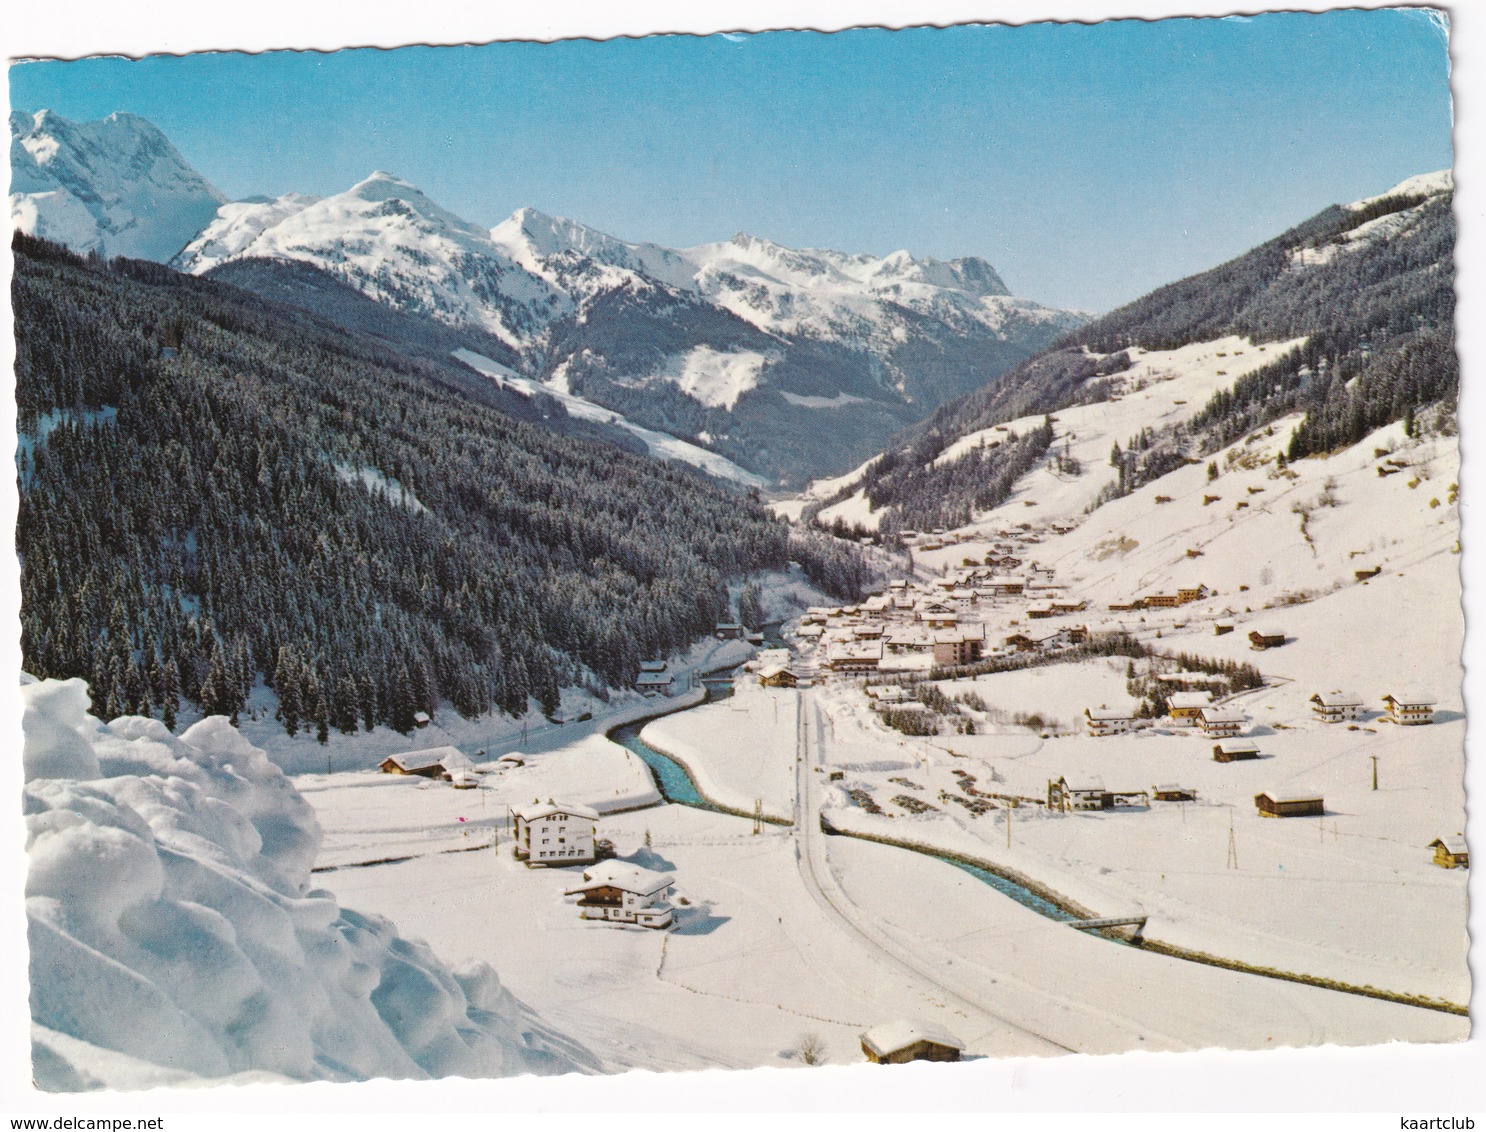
column 1087, row 163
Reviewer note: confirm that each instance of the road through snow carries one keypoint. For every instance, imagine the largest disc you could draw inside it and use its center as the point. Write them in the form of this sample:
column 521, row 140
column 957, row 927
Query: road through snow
column 815, row 873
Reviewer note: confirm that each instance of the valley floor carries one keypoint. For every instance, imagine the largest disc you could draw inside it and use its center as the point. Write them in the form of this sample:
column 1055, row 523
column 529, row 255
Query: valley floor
column 767, row 951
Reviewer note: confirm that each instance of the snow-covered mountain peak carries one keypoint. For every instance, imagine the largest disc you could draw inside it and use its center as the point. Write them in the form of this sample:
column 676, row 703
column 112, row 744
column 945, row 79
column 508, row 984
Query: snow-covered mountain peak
column 116, row 185
column 530, row 232
column 383, row 188
column 391, row 241
column 970, row 274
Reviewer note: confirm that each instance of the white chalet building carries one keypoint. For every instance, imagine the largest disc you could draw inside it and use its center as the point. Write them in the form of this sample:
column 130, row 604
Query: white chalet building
column 1109, row 721
column 624, row 893
column 1336, row 706
column 1409, row 708
column 1221, row 723
column 554, row 833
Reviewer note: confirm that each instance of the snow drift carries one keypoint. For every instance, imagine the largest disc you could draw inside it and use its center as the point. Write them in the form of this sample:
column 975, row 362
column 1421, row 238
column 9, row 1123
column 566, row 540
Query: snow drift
column 175, row 935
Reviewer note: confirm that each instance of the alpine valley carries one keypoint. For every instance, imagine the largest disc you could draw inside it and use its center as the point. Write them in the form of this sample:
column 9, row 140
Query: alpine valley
column 762, row 656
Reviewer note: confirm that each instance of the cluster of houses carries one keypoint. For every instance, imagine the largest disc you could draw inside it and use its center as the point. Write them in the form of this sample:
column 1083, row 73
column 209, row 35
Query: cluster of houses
column 1186, row 709
column 555, row 833
column 655, row 679
column 1408, row 709
column 942, row 623
column 1197, row 711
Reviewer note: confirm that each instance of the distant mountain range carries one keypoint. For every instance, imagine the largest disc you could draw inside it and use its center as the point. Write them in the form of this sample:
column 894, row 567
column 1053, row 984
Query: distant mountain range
column 791, row 363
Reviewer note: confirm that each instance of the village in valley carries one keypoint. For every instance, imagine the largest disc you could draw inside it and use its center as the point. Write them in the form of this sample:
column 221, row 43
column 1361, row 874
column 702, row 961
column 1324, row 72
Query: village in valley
column 1153, row 745
column 463, row 640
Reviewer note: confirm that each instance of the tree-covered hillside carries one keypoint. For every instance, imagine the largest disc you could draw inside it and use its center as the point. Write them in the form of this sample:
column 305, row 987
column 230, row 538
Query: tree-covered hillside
column 218, row 489
column 1370, row 288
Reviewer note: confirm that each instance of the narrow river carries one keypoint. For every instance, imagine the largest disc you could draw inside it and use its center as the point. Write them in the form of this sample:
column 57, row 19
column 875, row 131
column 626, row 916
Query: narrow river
column 676, row 785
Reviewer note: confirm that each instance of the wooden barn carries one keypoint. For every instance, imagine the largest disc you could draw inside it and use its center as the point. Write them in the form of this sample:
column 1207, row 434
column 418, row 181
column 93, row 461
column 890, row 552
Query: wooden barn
column 1234, row 750
column 897, row 1042
column 777, row 676
column 1173, row 793
column 435, row 762
column 1270, row 806
column 1451, row 852
column 1265, row 639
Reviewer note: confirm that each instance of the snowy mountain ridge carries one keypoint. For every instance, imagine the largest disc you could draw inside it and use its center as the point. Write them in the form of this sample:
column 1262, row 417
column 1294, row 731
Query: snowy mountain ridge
column 116, row 186
column 736, row 346
column 390, row 241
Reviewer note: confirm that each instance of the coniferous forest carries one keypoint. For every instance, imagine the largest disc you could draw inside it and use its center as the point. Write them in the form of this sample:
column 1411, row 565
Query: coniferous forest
column 218, row 489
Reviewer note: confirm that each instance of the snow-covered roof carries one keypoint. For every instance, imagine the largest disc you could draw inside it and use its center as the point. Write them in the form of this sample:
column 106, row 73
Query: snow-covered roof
column 537, row 810
column 625, row 877
column 1411, row 699
column 1190, row 699
column 890, row 1037
column 773, row 670
column 450, row 758
column 652, row 666
column 1107, row 713
column 1222, row 715
column 1337, row 698
column 1454, row 843
column 654, row 680
column 1237, row 746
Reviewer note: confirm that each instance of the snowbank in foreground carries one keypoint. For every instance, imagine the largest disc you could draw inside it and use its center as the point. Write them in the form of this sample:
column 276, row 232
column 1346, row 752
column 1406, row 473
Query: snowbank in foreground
column 175, row 937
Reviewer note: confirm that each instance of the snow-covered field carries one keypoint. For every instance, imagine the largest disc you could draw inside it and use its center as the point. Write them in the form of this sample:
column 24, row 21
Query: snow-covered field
column 1161, row 388
column 738, row 750
column 758, row 962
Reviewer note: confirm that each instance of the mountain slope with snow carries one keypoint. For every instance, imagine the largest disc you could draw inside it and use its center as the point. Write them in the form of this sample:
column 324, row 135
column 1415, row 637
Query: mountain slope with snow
column 116, row 186
column 1349, row 315
column 737, row 346
column 175, row 935
column 387, row 239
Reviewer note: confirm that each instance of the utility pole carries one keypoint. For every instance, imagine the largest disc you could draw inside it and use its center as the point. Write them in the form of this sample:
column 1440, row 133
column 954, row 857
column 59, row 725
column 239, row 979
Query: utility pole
column 1374, row 771
column 1008, row 825
column 1232, row 844
column 758, row 816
